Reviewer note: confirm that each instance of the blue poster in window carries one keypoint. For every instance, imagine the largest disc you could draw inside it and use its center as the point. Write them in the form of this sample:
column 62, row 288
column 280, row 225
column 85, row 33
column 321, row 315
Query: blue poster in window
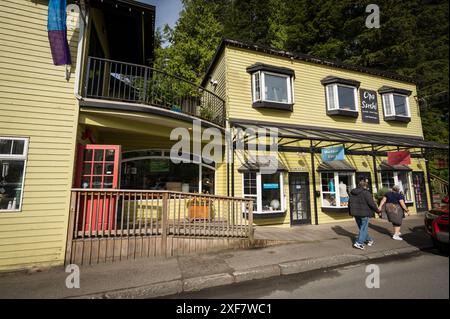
column 270, row 186
column 333, row 154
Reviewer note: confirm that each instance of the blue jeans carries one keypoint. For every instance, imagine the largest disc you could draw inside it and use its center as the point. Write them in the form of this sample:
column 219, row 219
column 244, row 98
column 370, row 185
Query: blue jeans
column 363, row 225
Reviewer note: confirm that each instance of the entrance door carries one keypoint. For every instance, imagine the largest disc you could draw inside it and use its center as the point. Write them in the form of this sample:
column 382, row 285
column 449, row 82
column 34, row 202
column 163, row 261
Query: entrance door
column 366, row 177
column 299, row 198
column 420, row 193
column 98, row 168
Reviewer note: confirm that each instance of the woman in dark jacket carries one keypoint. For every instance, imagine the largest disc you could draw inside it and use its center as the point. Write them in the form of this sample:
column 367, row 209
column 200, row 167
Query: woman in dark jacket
column 362, row 206
column 395, row 209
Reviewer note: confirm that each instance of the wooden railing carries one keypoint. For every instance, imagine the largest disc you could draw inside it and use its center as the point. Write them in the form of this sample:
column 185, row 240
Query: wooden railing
column 120, row 81
column 440, row 185
column 131, row 213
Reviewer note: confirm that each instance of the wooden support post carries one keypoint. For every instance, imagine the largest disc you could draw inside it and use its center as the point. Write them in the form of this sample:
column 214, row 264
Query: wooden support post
column 312, row 149
column 251, row 234
column 374, row 159
column 430, row 186
column 70, row 228
column 164, row 224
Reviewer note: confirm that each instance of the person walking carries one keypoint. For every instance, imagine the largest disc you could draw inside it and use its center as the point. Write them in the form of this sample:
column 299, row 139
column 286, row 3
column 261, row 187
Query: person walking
column 395, row 207
column 362, row 206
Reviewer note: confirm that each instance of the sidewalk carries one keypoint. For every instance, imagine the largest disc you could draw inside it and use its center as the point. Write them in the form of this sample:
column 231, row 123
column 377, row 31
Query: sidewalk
column 146, row 278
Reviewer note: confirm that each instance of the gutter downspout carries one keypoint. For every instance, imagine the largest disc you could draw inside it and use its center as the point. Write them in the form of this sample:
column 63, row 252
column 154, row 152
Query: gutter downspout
column 83, row 16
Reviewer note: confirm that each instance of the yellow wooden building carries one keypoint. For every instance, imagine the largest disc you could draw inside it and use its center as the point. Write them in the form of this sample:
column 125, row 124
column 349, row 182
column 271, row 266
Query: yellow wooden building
column 317, row 105
column 85, row 149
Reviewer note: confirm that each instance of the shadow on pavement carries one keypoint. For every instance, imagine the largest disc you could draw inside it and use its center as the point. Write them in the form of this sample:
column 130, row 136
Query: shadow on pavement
column 343, row 232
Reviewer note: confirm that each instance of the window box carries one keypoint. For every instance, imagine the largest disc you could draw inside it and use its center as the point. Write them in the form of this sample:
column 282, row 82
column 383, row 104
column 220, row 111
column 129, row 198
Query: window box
column 341, row 96
column 272, row 87
column 13, row 157
column 395, row 104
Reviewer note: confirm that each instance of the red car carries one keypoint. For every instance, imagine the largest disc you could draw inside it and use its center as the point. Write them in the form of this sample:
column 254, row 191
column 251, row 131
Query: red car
column 436, row 224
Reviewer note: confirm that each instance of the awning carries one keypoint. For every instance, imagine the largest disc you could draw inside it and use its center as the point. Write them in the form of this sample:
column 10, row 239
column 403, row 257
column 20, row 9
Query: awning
column 301, row 132
column 262, row 163
column 384, row 166
column 336, row 166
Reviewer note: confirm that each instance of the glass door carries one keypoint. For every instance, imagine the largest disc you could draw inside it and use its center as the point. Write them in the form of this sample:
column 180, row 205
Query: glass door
column 299, row 198
column 420, row 191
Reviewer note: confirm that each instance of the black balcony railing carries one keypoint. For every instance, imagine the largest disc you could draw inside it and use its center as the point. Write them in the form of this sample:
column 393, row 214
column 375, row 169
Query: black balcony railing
column 127, row 82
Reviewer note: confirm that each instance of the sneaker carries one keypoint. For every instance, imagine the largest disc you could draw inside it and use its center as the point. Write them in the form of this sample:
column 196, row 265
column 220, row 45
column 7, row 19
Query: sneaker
column 397, row 237
column 358, row 246
column 370, row 243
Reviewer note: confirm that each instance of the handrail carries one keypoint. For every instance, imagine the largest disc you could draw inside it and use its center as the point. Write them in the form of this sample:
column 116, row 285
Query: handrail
column 128, row 82
column 163, row 72
column 114, row 190
column 439, row 179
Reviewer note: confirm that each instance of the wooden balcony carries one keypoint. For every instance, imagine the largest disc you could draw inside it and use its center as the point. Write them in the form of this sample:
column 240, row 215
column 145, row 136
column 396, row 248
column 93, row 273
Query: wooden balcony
column 157, row 223
column 116, row 81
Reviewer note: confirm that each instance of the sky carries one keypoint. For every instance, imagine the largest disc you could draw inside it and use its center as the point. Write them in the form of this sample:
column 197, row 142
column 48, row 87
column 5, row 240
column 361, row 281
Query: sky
column 167, row 11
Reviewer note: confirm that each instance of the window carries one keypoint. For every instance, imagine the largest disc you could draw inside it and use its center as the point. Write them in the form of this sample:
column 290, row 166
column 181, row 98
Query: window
column 250, row 188
column 399, row 178
column 266, row 190
column 13, row 154
column 341, row 97
column 335, row 188
column 395, row 105
column 272, row 87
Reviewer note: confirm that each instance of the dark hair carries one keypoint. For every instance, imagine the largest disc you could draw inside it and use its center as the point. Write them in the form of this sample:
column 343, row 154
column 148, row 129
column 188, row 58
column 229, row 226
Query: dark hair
column 362, row 183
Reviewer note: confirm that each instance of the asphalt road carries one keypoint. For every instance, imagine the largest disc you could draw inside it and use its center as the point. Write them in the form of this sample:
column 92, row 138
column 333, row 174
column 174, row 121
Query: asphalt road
column 422, row 275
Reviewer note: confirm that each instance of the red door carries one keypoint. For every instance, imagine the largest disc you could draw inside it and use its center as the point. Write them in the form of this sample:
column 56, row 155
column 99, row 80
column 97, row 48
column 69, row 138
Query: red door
column 98, row 168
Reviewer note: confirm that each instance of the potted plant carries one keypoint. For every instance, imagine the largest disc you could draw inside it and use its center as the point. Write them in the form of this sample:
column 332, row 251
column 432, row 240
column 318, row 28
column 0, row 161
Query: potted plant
column 207, row 113
column 200, row 208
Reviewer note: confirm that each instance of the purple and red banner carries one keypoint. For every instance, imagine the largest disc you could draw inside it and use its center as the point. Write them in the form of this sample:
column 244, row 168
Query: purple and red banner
column 57, row 32
column 399, row 158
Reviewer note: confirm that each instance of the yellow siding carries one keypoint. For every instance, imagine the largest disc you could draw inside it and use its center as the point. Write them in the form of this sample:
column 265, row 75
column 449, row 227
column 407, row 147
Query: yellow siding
column 36, row 102
column 301, row 162
column 219, row 75
column 309, row 95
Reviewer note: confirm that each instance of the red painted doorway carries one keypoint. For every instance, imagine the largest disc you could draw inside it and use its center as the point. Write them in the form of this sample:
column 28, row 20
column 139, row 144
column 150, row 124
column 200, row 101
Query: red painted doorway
column 98, row 168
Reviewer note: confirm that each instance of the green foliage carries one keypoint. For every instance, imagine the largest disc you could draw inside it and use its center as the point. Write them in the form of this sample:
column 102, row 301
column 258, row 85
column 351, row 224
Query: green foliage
column 412, row 40
column 380, row 194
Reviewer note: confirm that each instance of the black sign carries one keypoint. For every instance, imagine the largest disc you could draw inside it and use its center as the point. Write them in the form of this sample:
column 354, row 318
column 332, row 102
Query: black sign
column 369, row 106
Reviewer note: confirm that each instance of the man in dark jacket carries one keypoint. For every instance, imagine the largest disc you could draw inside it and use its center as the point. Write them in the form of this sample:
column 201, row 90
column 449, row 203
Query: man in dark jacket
column 362, row 206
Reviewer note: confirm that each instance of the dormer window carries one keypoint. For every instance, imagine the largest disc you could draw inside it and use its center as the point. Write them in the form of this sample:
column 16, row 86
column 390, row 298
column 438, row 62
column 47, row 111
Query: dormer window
column 341, row 96
column 271, row 87
column 395, row 104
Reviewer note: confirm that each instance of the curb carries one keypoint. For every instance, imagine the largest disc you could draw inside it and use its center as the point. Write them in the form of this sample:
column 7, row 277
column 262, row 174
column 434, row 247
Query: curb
column 262, row 272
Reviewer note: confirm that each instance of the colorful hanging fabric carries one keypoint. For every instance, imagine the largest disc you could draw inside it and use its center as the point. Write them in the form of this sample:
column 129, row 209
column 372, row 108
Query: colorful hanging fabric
column 57, row 32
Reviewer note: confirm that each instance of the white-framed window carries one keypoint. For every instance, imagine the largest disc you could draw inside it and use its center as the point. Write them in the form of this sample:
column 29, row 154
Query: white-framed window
column 335, row 188
column 402, row 179
column 341, row 97
column 396, row 105
column 272, row 87
column 266, row 190
column 13, row 158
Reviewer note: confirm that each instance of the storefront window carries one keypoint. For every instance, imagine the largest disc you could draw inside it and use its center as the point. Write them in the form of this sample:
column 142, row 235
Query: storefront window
column 161, row 173
column 328, row 190
column 266, row 190
column 12, row 168
column 270, row 192
column 336, row 188
column 401, row 178
column 208, row 180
